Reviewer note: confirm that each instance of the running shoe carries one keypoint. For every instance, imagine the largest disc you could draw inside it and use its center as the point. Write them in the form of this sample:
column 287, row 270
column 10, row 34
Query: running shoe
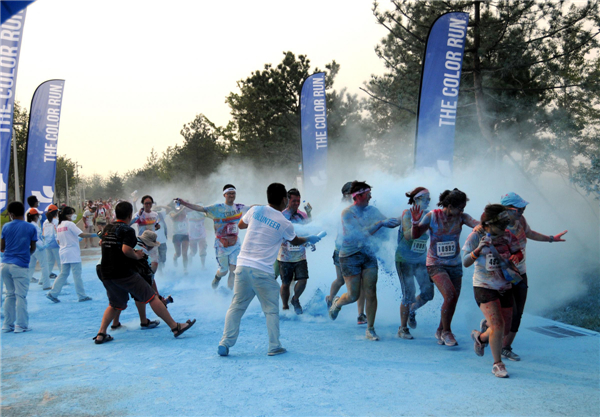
column 19, row 329
column 33, row 280
column 53, row 275
column 334, row 310
column 412, row 319
column 277, row 351
column 52, row 298
column 8, row 328
column 328, row 301
column 499, row 370
column 404, row 333
column 40, row 282
column 483, row 326
column 361, row 319
column 223, row 350
column 448, row 339
column 438, row 336
column 370, row 334
column 297, row 306
column 478, row 345
column 215, row 282
column 86, row 298
column 175, row 259
column 509, row 354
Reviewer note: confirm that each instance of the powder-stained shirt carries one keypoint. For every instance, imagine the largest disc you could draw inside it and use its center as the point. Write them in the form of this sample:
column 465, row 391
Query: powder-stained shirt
column 355, row 224
column 413, row 251
column 196, row 225
column 226, row 219
column 289, row 252
column 488, row 272
column 520, row 230
column 146, row 221
column 444, row 247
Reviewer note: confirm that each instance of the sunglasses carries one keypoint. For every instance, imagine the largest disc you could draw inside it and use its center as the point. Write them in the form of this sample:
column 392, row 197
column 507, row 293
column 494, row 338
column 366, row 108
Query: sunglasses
column 518, row 210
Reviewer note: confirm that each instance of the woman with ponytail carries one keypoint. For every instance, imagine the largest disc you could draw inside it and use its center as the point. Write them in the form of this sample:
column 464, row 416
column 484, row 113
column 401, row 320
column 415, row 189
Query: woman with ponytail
column 443, row 257
column 410, row 264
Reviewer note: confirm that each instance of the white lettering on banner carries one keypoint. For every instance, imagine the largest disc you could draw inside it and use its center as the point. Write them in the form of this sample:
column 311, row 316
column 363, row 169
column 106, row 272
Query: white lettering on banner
column 52, row 122
column 320, row 112
column 10, row 34
column 456, row 37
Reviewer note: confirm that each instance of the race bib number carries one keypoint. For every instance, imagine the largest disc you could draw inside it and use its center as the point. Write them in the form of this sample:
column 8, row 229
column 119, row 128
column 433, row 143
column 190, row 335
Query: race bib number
column 293, row 248
column 230, row 229
column 492, row 263
column 446, row 249
column 419, row 246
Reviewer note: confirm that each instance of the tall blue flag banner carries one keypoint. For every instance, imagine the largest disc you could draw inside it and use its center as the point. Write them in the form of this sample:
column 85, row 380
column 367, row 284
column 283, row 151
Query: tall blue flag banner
column 438, row 97
column 11, row 34
column 42, row 142
column 9, row 8
column 313, row 118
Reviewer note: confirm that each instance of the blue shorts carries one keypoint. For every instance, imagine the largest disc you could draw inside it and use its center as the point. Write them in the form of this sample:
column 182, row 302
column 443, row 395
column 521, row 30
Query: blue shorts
column 356, row 263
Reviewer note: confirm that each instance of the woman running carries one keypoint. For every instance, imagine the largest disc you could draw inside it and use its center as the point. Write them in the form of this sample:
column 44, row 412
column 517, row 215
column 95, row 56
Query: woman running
column 181, row 238
column 68, row 235
column 410, row 264
column 101, row 217
column 493, row 290
column 39, row 255
column 357, row 253
column 443, row 257
column 339, row 280
column 520, row 228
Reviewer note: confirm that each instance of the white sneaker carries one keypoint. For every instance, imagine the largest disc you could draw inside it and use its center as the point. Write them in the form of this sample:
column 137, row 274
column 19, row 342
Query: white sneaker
column 19, row 329
column 448, row 339
column 404, row 333
column 371, row 335
column 499, row 370
column 334, row 310
column 478, row 344
column 8, row 329
column 438, row 337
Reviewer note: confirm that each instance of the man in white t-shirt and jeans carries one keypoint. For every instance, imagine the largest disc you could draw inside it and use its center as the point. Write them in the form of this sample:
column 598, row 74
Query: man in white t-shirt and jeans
column 254, row 275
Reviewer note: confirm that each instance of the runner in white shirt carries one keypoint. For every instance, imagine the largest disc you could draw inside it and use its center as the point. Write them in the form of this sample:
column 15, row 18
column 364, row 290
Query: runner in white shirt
column 33, row 216
column 68, row 235
column 49, row 232
column 197, row 235
column 254, row 275
column 181, row 238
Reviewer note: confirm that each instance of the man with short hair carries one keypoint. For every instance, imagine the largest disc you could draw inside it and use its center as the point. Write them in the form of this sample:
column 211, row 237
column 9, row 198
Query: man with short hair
column 120, row 277
column 254, row 273
column 292, row 258
column 17, row 245
column 227, row 246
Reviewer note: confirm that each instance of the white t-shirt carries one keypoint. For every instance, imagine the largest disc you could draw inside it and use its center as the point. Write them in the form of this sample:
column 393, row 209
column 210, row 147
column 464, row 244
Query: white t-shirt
column 160, row 233
column 196, row 224
column 88, row 218
column 267, row 228
column 68, row 240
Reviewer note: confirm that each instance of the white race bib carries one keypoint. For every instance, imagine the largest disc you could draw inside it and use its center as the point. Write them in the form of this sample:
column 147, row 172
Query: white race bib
column 446, row 249
column 293, row 248
column 231, row 229
column 492, row 263
column 419, row 246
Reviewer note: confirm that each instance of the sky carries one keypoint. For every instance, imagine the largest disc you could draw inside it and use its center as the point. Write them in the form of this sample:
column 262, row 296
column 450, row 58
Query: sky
column 136, row 71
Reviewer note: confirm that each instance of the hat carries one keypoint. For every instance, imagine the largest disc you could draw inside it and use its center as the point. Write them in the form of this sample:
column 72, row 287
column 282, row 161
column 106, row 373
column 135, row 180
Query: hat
column 33, row 211
column 52, row 207
column 346, row 188
column 148, row 238
column 513, row 199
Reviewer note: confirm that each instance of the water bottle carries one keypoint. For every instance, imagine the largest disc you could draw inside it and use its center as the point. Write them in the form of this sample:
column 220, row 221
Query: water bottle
column 322, row 234
column 177, row 204
column 307, row 206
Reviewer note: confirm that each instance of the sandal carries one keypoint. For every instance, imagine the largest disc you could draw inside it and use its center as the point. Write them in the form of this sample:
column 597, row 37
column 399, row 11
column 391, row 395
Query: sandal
column 178, row 330
column 117, row 326
column 105, row 338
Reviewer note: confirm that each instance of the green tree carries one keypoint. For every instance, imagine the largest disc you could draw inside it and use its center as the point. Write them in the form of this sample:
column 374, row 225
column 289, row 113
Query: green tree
column 114, row 187
column 60, row 184
column 512, row 75
column 20, row 123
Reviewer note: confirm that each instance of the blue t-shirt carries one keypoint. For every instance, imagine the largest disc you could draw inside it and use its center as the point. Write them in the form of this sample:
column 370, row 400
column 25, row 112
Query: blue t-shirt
column 18, row 235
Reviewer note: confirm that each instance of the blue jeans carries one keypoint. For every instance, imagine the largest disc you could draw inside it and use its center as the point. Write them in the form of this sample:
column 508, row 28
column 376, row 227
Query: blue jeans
column 65, row 270
column 16, row 280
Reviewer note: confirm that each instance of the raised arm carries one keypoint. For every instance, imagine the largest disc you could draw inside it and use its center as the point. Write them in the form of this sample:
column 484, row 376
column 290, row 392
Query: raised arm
column 545, row 238
column 469, row 221
column 419, row 227
column 194, row 207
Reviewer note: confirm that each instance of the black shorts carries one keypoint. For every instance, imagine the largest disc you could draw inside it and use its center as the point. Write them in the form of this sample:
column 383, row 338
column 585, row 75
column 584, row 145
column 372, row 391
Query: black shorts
column 180, row 238
column 291, row 271
column 118, row 291
column 148, row 279
column 486, row 295
column 336, row 258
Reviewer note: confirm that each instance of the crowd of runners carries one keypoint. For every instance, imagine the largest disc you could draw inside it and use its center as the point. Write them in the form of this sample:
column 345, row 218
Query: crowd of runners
column 428, row 254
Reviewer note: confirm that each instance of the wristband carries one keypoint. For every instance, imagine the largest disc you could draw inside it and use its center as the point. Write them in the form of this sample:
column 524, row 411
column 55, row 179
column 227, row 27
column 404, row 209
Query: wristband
column 551, row 239
column 473, row 256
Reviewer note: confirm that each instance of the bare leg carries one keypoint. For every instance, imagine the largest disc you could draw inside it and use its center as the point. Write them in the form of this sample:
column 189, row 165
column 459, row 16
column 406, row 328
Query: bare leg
column 299, row 288
column 353, row 284
column 369, row 287
column 493, row 335
column 184, row 253
column 284, row 292
column 450, row 294
column 109, row 315
column 337, row 283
